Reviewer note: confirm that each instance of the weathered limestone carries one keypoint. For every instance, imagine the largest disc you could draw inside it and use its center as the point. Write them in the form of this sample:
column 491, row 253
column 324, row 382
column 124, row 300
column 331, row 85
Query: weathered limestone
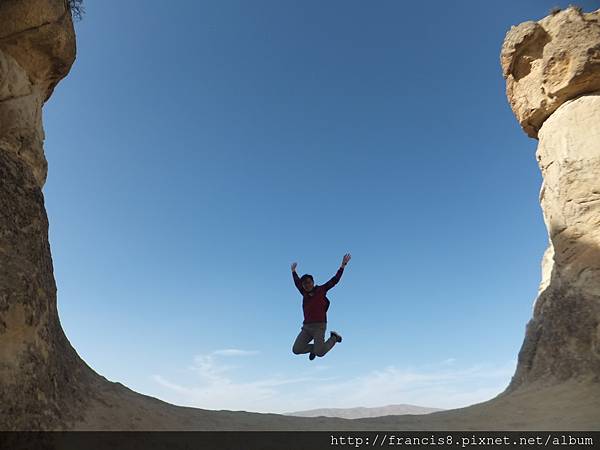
column 37, row 49
column 552, row 71
column 548, row 62
column 42, row 380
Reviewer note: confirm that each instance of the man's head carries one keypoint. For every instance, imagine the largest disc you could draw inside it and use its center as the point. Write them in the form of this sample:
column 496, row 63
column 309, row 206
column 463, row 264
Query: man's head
column 307, row 282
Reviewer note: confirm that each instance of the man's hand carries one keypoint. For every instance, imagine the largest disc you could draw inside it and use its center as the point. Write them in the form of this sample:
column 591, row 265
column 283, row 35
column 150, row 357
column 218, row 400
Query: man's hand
column 345, row 259
column 294, row 265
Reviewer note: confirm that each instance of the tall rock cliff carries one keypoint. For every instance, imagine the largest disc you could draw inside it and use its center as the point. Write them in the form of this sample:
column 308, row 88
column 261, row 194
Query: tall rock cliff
column 552, row 72
column 41, row 377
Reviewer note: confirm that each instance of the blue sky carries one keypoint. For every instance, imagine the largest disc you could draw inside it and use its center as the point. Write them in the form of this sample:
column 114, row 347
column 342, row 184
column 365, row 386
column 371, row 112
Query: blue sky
column 196, row 152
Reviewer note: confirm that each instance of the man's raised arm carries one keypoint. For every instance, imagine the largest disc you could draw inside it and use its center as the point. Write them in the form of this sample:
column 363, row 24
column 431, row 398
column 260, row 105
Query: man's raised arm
column 296, row 278
column 336, row 278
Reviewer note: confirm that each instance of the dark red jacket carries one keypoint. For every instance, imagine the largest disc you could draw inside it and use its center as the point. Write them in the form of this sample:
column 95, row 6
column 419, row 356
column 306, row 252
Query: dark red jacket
column 315, row 303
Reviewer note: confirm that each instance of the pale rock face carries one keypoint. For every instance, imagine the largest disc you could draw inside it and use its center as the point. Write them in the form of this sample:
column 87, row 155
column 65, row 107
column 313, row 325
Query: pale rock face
column 569, row 157
column 43, row 383
column 37, row 49
column 548, row 62
column 552, row 71
column 21, row 130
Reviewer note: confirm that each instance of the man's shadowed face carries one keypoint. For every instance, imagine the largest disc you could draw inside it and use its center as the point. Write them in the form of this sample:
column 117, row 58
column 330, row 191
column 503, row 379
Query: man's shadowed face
column 308, row 284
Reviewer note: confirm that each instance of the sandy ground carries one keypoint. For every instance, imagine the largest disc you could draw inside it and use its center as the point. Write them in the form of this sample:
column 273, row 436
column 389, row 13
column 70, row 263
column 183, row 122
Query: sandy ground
column 574, row 405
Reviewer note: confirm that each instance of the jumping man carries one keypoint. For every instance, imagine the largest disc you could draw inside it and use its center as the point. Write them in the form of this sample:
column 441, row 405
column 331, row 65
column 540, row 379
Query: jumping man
column 315, row 305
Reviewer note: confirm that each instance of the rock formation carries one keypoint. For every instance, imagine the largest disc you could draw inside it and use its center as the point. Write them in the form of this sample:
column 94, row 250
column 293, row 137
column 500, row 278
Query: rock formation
column 552, row 71
column 41, row 377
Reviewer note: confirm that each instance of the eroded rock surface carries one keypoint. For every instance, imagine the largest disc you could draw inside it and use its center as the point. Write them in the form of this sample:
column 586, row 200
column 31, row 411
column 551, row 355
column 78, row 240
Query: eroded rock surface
column 37, row 49
column 552, row 70
column 549, row 62
column 42, row 380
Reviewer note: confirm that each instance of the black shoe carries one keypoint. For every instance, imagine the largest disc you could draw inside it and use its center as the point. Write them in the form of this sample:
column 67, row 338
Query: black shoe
column 338, row 338
column 311, row 356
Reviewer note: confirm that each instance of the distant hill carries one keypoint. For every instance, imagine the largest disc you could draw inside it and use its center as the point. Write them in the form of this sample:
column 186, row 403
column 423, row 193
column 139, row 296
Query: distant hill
column 361, row 412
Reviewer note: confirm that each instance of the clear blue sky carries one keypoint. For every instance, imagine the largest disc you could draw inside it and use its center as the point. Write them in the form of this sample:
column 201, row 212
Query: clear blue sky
column 198, row 148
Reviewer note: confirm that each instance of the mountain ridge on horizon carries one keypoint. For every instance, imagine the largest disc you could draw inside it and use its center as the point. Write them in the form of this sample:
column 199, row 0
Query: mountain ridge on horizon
column 360, row 412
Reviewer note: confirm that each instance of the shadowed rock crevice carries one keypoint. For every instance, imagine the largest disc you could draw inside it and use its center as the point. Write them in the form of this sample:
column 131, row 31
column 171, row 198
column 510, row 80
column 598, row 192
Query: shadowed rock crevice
column 527, row 50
